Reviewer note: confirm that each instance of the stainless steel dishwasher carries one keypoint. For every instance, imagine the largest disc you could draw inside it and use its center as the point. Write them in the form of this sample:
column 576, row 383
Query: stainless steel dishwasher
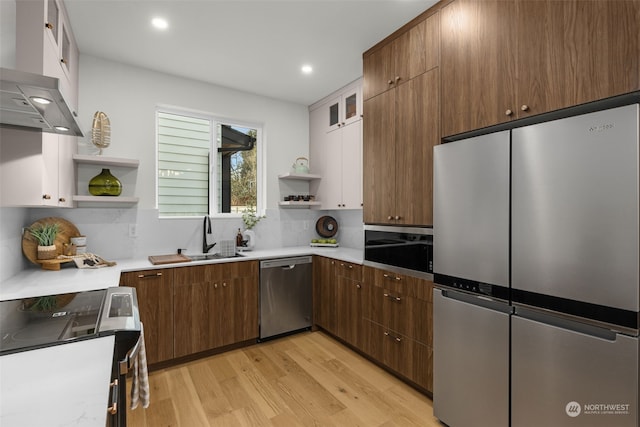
column 285, row 295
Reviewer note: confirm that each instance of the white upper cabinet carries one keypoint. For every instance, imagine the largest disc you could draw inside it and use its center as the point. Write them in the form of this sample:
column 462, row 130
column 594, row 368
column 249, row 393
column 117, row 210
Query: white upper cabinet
column 344, row 109
column 36, row 169
column 335, row 137
column 45, row 44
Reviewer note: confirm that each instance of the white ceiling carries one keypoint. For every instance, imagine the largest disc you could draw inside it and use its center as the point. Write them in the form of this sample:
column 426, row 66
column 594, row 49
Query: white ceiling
column 256, row 46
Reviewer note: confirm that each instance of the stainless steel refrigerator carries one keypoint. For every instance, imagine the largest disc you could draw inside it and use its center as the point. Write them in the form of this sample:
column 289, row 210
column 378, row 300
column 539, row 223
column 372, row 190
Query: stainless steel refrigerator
column 573, row 268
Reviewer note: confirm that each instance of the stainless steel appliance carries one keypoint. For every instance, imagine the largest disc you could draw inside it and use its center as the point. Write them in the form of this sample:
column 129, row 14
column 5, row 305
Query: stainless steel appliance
column 404, row 250
column 569, row 250
column 34, row 101
column 471, row 257
column 286, row 292
column 575, row 270
column 60, row 319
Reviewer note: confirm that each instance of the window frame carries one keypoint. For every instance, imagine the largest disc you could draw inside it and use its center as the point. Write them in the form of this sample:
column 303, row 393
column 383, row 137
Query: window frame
column 214, row 121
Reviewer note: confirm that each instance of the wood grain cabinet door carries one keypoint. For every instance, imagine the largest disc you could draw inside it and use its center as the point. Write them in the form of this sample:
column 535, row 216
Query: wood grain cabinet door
column 478, row 64
column 191, row 310
column 377, row 71
column 233, row 303
column 324, row 293
column 574, row 51
column 417, row 132
column 379, row 172
column 154, row 289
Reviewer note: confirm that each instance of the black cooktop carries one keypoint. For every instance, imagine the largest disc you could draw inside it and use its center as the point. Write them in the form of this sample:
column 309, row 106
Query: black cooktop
column 49, row 320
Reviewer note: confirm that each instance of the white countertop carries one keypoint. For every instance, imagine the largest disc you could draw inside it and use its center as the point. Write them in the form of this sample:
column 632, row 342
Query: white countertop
column 64, row 385
column 37, row 282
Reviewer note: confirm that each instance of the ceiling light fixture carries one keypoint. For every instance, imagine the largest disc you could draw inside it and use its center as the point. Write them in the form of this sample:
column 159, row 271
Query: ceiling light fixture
column 160, row 23
column 307, row 69
column 62, row 128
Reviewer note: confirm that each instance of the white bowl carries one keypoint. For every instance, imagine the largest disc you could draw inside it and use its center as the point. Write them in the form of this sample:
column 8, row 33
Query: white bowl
column 79, row 240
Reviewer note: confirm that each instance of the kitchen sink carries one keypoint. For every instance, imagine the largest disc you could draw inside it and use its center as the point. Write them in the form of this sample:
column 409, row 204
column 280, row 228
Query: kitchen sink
column 201, row 257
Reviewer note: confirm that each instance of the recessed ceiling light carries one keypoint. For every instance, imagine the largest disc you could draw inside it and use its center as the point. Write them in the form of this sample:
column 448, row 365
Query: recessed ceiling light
column 307, row 69
column 160, row 23
column 62, row 128
column 41, row 100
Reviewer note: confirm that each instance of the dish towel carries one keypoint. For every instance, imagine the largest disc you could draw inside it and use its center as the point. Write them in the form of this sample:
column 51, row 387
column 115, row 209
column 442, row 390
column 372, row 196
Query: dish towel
column 140, row 383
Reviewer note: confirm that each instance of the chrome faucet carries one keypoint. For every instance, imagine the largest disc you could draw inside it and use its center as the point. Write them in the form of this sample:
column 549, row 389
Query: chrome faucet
column 206, row 229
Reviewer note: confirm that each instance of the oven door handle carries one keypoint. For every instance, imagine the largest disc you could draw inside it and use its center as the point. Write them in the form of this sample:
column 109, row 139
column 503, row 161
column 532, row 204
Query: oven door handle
column 126, row 364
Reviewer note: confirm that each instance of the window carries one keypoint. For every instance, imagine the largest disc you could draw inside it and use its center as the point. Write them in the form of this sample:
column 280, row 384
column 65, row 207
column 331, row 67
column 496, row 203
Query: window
column 206, row 165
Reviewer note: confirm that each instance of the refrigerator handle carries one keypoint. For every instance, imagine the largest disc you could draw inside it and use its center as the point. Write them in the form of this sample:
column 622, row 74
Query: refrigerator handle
column 478, row 300
column 565, row 323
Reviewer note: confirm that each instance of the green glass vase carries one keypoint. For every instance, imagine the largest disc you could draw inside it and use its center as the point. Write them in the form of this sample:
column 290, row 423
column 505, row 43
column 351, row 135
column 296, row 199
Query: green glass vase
column 105, row 184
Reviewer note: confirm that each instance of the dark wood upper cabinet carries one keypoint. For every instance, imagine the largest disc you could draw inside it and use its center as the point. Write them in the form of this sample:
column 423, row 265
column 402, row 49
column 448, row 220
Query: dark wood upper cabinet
column 477, row 64
column 503, row 60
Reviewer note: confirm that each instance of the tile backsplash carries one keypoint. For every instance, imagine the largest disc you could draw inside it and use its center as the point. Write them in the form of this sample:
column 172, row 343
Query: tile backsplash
column 125, row 233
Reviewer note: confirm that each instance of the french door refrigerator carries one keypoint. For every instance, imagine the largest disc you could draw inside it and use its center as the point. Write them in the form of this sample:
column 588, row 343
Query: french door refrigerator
column 471, row 265
column 574, row 271
column 573, row 274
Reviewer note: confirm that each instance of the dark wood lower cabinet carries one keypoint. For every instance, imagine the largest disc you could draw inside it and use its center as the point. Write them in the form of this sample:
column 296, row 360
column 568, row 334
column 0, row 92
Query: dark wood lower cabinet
column 188, row 310
column 385, row 315
column 154, row 289
column 409, row 358
column 215, row 305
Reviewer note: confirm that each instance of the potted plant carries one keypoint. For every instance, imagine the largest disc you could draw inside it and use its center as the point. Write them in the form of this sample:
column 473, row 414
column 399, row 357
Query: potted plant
column 250, row 219
column 46, row 234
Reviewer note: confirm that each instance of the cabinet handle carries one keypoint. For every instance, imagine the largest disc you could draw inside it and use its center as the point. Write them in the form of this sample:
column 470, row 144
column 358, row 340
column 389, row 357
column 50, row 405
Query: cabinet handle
column 397, row 339
column 524, row 107
column 508, row 113
column 389, row 217
column 64, row 61
column 62, row 200
column 388, row 276
column 398, row 217
column 215, row 285
column 397, row 79
column 392, row 298
column 113, row 408
column 359, row 286
column 48, row 25
column 146, row 276
column 46, row 196
column 224, row 284
column 389, row 82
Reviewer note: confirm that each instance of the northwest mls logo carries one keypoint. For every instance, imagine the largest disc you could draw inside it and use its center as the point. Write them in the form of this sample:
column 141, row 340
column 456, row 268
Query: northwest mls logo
column 573, row 409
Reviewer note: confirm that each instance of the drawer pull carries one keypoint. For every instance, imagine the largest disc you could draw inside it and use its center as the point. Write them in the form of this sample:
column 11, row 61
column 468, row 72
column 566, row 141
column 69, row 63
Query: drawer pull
column 146, row 276
column 396, row 339
column 391, row 297
column 388, row 276
column 113, row 408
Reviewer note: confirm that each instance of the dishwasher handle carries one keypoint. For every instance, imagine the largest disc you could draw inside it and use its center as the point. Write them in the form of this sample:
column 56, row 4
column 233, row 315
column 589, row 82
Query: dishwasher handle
column 289, row 263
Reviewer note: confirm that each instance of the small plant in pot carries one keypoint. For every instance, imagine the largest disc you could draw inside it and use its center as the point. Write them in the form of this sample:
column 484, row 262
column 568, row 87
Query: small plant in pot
column 45, row 235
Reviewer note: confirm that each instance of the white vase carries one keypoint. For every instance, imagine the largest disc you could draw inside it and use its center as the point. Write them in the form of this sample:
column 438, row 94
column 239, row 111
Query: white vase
column 250, row 237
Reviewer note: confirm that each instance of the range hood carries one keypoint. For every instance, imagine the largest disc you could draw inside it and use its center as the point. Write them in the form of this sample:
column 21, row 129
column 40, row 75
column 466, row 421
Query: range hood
column 33, row 101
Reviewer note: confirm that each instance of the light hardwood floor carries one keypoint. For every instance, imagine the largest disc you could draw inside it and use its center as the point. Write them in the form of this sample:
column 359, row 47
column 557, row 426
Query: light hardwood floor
column 306, row 379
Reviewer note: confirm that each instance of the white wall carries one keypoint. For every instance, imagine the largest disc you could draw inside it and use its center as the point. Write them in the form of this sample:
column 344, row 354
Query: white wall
column 129, row 95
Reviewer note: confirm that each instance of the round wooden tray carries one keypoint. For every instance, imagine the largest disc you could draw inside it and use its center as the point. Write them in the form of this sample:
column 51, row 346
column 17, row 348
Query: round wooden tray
column 30, row 244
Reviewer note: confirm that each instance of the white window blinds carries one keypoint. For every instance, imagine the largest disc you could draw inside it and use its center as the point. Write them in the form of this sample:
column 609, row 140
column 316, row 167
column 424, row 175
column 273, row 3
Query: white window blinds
column 183, row 165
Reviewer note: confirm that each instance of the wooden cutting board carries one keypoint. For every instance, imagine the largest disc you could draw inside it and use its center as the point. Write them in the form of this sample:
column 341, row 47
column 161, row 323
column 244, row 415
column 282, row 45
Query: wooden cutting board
column 30, row 244
column 168, row 259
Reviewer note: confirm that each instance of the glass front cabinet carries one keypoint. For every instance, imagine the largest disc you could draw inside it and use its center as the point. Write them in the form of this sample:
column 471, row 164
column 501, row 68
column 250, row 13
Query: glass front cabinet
column 344, row 109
